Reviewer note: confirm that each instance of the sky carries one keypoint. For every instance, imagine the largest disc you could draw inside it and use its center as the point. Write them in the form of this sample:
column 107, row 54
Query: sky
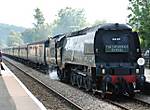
column 20, row 12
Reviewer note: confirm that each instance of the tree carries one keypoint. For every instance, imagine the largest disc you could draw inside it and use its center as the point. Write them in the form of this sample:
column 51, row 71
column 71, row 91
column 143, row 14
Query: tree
column 14, row 39
column 140, row 19
column 38, row 16
column 34, row 34
column 28, row 35
column 40, row 31
column 69, row 20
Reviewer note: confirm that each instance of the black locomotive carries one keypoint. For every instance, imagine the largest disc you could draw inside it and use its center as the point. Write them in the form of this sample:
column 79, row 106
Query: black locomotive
column 105, row 58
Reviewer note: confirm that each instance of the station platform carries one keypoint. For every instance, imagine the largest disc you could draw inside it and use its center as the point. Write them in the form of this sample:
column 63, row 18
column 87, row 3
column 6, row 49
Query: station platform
column 14, row 95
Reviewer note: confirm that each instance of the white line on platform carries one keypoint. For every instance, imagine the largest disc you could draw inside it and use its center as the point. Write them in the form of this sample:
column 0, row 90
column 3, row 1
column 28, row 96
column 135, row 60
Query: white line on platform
column 42, row 107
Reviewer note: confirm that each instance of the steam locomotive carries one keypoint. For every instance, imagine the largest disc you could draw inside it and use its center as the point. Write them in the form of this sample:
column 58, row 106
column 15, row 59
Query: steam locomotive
column 105, row 58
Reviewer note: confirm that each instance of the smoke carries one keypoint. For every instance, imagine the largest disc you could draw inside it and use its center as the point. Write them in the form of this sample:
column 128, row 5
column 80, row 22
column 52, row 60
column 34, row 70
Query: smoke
column 53, row 75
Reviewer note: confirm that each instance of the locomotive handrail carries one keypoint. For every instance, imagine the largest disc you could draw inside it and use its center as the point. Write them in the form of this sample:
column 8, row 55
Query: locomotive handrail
column 119, row 66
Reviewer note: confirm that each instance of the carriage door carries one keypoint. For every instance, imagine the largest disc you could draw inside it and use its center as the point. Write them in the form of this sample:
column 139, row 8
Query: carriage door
column 52, row 52
column 58, row 56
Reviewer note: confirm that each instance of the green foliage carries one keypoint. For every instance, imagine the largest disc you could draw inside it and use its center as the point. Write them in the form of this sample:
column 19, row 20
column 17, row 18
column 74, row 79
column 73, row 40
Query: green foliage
column 5, row 30
column 36, row 34
column 14, row 39
column 39, row 32
column 27, row 35
column 38, row 16
column 69, row 20
column 42, row 33
column 140, row 19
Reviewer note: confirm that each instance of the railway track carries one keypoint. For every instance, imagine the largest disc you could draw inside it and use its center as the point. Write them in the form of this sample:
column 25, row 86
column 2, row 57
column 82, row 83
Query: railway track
column 72, row 105
column 125, row 103
column 128, row 103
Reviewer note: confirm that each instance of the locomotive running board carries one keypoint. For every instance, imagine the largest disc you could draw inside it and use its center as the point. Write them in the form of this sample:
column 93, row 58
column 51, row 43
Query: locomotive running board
column 100, row 91
column 81, row 73
column 137, row 91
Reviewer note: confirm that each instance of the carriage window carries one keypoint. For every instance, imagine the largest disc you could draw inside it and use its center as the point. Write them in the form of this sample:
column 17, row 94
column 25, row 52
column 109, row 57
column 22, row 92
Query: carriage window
column 40, row 51
column 35, row 51
column 47, row 52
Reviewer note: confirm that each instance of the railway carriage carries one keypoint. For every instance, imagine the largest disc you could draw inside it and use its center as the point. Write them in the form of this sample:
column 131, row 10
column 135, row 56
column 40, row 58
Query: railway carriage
column 15, row 51
column 37, row 52
column 7, row 51
column 11, row 51
column 23, row 52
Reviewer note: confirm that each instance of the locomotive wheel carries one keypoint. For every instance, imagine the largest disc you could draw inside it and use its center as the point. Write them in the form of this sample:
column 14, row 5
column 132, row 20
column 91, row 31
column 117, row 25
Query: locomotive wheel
column 116, row 91
column 88, row 84
column 66, row 75
column 103, row 94
column 79, row 81
column 60, row 74
column 73, row 79
column 131, row 90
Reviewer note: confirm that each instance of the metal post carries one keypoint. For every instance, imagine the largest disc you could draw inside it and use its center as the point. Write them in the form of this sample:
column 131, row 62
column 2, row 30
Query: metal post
column 0, row 61
column 0, row 67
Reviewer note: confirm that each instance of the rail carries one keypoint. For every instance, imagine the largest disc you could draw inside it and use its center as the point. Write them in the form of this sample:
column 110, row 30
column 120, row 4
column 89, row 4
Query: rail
column 53, row 90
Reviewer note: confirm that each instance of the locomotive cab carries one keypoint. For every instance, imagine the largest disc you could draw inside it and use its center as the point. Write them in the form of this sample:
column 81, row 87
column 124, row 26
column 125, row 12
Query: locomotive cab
column 119, row 66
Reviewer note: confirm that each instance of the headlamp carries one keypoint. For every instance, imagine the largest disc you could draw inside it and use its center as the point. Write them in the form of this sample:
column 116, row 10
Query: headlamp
column 137, row 71
column 103, row 71
column 141, row 61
